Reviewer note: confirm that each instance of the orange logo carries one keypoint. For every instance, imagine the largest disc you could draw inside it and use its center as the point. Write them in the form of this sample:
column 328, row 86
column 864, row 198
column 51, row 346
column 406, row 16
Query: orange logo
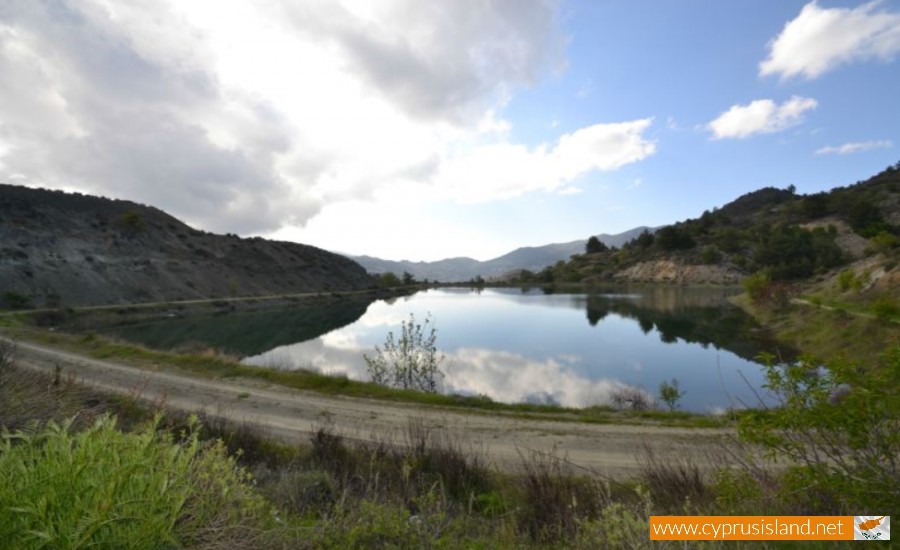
column 871, row 524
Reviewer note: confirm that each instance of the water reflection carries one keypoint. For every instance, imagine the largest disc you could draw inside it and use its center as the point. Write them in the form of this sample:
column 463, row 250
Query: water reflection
column 247, row 332
column 517, row 346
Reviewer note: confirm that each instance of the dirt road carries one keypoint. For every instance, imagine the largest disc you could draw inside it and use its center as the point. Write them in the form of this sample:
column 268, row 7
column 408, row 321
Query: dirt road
column 292, row 414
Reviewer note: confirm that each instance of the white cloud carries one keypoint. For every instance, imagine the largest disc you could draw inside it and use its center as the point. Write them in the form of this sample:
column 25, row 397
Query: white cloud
column 855, row 147
column 249, row 117
column 499, row 170
column 821, row 39
column 760, row 116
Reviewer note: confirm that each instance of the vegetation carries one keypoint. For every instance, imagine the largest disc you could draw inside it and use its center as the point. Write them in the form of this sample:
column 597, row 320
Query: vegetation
column 132, row 222
column 101, row 487
column 836, row 425
column 670, row 394
column 595, row 246
column 791, row 237
column 16, row 300
column 410, row 363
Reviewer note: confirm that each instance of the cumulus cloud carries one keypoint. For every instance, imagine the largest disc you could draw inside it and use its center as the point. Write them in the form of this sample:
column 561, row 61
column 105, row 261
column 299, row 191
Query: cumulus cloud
column 94, row 102
column 312, row 121
column 855, row 147
column 248, row 117
column 821, row 39
column 760, row 116
column 503, row 170
column 439, row 59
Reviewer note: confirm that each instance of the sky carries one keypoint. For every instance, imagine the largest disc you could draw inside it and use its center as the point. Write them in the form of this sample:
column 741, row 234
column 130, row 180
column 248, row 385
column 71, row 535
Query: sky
column 418, row 130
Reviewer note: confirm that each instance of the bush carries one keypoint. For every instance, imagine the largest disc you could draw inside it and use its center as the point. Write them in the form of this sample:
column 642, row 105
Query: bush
column 847, row 279
column 105, row 488
column 132, row 221
column 710, row 256
column 412, row 362
column 764, row 293
column 388, row 280
column 16, row 300
column 839, row 425
column 884, row 241
column 672, row 237
column 631, row 398
column 885, row 308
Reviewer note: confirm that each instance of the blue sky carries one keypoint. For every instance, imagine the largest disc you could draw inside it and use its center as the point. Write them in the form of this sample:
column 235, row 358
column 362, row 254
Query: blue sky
column 420, row 130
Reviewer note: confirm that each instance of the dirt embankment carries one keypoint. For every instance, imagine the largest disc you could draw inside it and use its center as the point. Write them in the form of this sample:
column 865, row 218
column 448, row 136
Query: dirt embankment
column 292, row 415
column 64, row 249
column 672, row 271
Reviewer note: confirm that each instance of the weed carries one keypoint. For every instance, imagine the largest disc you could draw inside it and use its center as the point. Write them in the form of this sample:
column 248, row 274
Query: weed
column 554, row 500
column 672, row 480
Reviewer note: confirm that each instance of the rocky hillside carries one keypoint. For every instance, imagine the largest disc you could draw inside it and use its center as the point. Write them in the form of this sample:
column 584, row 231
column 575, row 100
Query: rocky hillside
column 787, row 236
column 70, row 249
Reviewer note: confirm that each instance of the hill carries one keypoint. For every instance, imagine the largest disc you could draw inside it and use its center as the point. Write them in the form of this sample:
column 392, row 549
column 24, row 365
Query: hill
column 530, row 258
column 61, row 248
column 786, row 236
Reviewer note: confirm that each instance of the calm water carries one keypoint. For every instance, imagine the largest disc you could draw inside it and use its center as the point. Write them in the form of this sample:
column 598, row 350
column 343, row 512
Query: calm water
column 513, row 345
column 569, row 349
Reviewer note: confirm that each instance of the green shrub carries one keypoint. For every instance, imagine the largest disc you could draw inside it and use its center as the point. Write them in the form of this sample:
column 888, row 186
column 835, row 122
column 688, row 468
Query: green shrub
column 411, row 362
column 710, row 256
column 885, row 308
column 16, row 300
column 846, row 280
column 105, row 488
column 839, row 425
column 737, row 491
column 884, row 241
column 132, row 221
column 670, row 394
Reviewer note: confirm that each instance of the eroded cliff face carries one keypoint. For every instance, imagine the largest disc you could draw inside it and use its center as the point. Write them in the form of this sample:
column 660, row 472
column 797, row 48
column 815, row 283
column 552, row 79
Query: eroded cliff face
column 70, row 249
column 673, row 271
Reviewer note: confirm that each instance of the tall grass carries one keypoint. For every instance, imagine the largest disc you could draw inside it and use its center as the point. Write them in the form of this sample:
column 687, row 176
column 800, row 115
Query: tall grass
column 61, row 488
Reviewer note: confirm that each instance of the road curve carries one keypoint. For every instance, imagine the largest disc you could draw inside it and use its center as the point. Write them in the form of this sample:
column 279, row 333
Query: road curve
column 291, row 415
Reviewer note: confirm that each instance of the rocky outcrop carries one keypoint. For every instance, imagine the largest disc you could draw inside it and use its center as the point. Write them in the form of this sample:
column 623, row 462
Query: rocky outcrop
column 70, row 249
column 852, row 245
column 671, row 271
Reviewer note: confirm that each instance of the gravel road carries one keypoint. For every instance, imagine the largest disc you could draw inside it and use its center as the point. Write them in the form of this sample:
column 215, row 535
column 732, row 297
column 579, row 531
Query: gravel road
column 290, row 415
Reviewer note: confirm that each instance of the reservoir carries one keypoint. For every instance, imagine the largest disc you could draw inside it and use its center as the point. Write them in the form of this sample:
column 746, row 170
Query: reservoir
column 515, row 345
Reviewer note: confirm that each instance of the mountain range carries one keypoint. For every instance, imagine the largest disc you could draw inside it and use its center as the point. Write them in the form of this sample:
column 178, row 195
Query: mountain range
column 531, row 258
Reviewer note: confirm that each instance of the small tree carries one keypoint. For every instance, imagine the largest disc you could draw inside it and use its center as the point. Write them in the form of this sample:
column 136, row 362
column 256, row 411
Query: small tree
column 670, row 394
column 410, row 363
column 408, row 278
column 388, row 280
column 595, row 246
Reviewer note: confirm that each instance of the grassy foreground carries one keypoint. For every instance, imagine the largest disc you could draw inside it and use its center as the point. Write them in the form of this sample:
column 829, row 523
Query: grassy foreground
column 79, row 469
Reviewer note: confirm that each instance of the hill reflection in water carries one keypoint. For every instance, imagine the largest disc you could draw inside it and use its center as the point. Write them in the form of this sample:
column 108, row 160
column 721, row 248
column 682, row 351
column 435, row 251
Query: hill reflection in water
column 568, row 349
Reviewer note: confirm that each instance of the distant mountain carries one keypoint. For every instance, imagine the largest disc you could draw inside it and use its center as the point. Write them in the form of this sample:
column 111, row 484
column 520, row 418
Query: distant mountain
column 532, row 258
column 71, row 249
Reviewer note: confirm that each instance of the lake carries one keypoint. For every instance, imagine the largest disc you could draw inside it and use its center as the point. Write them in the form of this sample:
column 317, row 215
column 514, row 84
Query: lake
column 514, row 345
